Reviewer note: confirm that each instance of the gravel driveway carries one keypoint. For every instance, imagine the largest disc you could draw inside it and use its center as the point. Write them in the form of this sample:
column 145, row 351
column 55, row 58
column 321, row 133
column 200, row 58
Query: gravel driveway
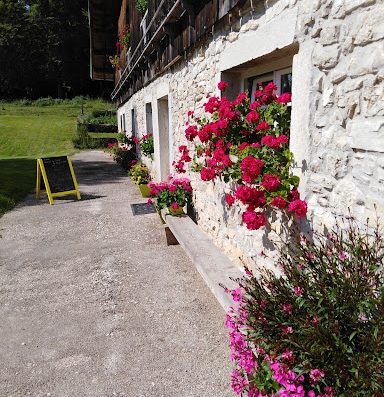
column 93, row 302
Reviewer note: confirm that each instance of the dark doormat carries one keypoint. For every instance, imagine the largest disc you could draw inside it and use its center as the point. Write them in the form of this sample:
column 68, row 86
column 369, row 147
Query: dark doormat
column 143, row 208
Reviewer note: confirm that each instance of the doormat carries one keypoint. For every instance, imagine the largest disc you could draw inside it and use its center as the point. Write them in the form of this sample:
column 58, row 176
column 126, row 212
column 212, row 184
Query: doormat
column 142, row 209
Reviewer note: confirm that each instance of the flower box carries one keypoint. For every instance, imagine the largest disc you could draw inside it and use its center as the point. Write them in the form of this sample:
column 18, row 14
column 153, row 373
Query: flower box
column 176, row 212
column 145, row 190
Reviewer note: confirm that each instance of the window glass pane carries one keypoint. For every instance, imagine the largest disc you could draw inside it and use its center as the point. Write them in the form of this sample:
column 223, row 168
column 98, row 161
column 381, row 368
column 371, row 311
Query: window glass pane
column 286, row 83
column 252, row 83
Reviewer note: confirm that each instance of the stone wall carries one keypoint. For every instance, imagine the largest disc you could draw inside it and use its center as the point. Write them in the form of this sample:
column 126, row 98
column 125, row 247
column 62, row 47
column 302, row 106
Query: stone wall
column 337, row 132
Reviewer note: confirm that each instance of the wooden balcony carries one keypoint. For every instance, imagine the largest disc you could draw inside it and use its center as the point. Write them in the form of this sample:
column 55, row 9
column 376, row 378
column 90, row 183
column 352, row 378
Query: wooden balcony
column 161, row 37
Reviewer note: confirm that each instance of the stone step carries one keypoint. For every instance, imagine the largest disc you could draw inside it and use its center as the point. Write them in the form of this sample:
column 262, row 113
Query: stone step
column 215, row 267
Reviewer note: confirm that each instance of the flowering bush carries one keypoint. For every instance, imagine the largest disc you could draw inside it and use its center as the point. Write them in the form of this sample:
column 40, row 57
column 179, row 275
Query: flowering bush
column 115, row 61
column 318, row 330
column 124, row 39
column 174, row 194
column 146, row 145
column 140, row 174
column 246, row 142
column 142, row 5
column 122, row 154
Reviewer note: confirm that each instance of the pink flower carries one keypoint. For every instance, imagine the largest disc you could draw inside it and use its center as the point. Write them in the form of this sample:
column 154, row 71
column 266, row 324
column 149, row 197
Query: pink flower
column 243, row 145
column 279, row 202
column 149, row 202
column 237, row 294
column 298, row 291
column 299, row 207
column 175, row 206
column 252, row 117
column 190, row 113
column 284, row 98
column 287, row 330
column 342, row 256
column 362, row 318
column 287, row 308
column 207, row 174
column 315, row 375
column 191, row 132
column 263, row 126
column 255, row 105
column 270, row 182
column 250, row 167
column 253, row 220
column 238, row 383
column 270, row 88
column 222, row 85
column 315, row 320
column 250, row 196
column 229, row 199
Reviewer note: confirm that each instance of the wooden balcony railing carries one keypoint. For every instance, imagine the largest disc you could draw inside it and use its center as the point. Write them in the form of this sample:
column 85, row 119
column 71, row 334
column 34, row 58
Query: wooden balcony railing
column 159, row 38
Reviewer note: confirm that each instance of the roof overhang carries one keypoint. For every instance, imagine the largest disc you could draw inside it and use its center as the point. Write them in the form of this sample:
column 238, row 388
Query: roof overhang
column 103, row 17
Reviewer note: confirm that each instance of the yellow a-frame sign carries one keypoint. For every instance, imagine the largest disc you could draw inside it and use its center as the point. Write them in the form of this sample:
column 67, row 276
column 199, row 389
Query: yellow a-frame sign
column 56, row 177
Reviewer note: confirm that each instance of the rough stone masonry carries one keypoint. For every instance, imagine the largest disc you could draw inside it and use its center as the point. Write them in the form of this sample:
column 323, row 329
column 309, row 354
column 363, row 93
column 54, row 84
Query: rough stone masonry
column 336, row 51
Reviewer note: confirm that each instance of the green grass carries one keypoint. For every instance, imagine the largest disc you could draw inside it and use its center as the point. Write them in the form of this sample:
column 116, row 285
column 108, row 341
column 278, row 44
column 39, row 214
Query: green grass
column 30, row 131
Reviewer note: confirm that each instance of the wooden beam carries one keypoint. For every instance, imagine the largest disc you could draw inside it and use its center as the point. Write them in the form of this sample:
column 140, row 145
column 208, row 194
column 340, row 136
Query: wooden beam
column 188, row 6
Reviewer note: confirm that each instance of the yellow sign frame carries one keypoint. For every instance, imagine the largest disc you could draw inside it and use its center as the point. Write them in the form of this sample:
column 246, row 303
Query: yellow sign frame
column 41, row 173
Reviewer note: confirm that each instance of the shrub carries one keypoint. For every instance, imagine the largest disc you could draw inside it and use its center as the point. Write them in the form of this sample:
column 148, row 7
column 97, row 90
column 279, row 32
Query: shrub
column 140, row 174
column 107, row 117
column 123, row 155
column 174, row 194
column 83, row 140
column 318, row 330
column 246, row 141
column 147, row 145
column 142, row 5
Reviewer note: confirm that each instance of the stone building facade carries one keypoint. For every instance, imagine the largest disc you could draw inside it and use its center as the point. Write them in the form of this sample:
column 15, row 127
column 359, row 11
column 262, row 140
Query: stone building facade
column 331, row 53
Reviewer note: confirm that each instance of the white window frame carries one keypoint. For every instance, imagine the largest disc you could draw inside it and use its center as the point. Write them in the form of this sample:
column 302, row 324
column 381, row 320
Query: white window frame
column 274, row 75
column 277, row 77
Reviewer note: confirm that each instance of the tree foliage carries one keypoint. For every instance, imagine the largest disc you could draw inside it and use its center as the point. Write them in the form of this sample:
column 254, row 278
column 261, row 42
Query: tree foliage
column 44, row 48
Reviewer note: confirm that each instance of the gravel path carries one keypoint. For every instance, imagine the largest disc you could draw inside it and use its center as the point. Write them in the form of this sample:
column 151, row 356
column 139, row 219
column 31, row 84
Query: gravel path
column 93, row 302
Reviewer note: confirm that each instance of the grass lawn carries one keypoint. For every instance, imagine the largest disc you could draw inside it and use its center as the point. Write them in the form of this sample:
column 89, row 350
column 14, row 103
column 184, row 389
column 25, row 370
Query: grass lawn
column 30, row 132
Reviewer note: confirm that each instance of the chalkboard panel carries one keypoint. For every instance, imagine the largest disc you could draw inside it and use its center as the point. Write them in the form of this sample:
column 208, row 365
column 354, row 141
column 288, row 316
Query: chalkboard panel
column 58, row 174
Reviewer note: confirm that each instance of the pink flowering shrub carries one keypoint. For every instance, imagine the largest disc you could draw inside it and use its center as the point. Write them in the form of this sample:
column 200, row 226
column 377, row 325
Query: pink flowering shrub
column 146, row 145
column 174, row 194
column 318, row 330
column 246, row 141
column 124, row 155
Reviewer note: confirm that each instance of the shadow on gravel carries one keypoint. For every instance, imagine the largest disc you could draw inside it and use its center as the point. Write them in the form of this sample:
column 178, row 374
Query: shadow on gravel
column 18, row 178
column 95, row 172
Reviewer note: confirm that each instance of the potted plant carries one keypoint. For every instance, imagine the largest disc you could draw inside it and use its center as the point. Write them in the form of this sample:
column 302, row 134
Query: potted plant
column 140, row 175
column 147, row 145
column 173, row 195
column 122, row 154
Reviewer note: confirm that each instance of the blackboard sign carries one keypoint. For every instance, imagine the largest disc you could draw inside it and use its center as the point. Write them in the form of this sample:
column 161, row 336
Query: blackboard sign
column 56, row 176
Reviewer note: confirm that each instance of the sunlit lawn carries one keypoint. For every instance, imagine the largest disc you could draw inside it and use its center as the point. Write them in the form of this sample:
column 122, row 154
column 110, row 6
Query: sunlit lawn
column 31, row 132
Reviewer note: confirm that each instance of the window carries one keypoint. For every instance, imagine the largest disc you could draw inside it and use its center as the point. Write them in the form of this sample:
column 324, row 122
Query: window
column 282, row 78
column 133, row 122
column 148, row 117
